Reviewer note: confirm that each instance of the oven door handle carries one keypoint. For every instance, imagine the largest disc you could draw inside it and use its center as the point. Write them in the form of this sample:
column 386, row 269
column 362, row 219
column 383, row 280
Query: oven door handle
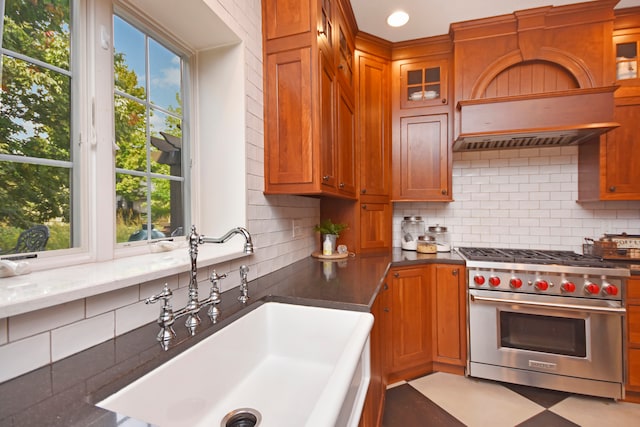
column 621, row 311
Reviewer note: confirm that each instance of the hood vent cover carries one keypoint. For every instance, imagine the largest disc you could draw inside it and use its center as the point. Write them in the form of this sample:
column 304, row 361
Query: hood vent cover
column 540, row 120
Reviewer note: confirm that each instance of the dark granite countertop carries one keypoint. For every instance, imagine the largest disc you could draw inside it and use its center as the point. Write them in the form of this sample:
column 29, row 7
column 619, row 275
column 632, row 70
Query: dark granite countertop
column 64, row 393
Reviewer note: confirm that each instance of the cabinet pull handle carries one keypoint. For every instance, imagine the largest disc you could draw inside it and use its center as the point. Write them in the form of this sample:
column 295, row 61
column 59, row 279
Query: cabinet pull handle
column 612, row 189
column 325, row 178
column 386, row 309
column 385, row 287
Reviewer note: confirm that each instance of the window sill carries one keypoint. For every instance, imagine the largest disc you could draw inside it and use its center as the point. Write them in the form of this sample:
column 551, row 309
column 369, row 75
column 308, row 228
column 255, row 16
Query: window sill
column 47, row 288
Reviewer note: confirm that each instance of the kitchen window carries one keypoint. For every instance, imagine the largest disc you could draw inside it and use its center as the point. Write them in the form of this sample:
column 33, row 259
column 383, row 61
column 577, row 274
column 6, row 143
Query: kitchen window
column 120, row 124
column 148, row 114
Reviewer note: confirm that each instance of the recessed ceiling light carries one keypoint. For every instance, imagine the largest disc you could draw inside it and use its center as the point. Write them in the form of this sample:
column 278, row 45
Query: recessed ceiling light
column 398, row 19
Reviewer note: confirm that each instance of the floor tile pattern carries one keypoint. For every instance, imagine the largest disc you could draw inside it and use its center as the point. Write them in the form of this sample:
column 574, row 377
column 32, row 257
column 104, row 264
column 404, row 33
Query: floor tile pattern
column 449, row 400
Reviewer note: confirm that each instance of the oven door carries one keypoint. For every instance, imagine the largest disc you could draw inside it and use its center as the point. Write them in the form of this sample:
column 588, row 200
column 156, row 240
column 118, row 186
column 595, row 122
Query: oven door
column 568, row 336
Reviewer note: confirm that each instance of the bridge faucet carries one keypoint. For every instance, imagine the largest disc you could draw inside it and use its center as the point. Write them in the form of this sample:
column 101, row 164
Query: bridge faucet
column 194, row 304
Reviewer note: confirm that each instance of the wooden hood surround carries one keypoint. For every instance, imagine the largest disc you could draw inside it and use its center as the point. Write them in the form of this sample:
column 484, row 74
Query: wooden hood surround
column 535, row 78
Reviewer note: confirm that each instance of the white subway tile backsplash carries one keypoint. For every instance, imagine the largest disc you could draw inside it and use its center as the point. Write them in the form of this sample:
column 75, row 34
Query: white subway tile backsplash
column 19, row 357
column 109, row 301
column 532, row 192
column 79, row 336
column 38, row 321
column 135, row 315
column 3, row 331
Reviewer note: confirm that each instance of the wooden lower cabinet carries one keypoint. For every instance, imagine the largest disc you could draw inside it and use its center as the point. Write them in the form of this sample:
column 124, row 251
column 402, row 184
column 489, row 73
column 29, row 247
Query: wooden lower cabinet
column 449, row 318
column 633, row 339
column 374, row 402
column 419, row 328
column 409, row 338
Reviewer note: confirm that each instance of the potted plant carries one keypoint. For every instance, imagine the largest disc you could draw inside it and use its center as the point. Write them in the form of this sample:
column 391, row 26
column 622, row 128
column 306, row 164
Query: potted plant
column 329, row 232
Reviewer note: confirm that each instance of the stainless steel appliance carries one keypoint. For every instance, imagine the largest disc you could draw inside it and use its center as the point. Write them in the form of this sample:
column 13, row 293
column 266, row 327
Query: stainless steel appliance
column 551, row 319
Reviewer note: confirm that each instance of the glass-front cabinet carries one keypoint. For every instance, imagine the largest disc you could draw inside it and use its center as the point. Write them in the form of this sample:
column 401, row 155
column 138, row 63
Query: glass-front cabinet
column 627, row 59
column 423, row 84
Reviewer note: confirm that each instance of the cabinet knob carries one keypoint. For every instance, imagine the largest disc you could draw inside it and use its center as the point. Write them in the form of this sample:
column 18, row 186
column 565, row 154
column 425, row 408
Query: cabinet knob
column 444, row 100
column 396, row 275
column 612, row 189
column 325, row 178
column 385, row 287
column 363, row 191
column 364, row 207
column 386, row 309
column 444, row 192
column 341, row 185
column 454, row 272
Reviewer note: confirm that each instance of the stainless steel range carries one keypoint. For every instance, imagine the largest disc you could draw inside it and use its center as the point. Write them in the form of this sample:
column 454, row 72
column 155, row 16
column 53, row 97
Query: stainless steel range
column 550, row 319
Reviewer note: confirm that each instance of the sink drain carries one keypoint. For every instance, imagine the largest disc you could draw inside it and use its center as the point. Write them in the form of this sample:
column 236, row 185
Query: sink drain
column 243, row 417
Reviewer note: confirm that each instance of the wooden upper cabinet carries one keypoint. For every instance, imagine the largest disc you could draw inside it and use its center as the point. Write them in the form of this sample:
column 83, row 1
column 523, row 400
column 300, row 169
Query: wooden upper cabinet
column 283, row 18
column 424, row 84
column 421, row 159
column 610, row 169
column 374, row 129
column 290, row 154
column 310, row 122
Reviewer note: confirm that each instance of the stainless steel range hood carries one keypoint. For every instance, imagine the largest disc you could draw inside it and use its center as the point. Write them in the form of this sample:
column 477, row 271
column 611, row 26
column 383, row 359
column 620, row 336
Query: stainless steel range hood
column 539, row 120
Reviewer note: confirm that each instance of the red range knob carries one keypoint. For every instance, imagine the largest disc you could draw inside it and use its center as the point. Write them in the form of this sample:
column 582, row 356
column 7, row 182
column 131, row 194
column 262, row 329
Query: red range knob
column 515, row 283
column 610, row 290
column 541, row 285
column 591, row 288
column 479, row 280
column 568, row 287
column 494, row 281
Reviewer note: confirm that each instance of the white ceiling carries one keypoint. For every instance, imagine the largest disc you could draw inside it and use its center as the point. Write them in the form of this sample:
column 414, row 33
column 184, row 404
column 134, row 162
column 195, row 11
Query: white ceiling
column 432, row 17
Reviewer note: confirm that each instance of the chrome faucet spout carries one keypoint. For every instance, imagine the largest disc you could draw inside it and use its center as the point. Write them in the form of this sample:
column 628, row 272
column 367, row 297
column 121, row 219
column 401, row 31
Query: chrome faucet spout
column 248, row 245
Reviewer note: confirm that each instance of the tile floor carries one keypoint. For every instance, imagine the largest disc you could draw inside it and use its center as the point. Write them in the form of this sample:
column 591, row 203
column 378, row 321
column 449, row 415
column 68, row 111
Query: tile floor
column 447, row 400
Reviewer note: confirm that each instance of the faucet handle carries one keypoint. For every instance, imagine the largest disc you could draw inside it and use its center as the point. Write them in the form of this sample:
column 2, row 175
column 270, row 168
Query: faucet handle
column 165, row 295
column 244, row 286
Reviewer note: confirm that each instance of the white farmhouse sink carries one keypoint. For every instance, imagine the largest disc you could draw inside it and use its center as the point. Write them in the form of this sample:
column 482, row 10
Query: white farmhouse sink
column 296, row 365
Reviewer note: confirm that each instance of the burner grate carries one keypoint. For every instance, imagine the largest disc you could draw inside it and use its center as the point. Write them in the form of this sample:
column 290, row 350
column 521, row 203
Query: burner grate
column 533, row 256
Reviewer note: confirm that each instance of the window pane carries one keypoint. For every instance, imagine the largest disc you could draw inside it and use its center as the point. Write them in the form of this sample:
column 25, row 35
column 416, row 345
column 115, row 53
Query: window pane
column 164, row 76
column 131, row 200
column 34, row 194
column 131, row 130
column 35, row 111
column 39, row 30
column 166, row 207
column 166, row 144
column 129, row 58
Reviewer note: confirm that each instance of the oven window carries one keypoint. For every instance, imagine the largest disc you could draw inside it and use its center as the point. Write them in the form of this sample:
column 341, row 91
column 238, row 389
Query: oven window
column 548, row 334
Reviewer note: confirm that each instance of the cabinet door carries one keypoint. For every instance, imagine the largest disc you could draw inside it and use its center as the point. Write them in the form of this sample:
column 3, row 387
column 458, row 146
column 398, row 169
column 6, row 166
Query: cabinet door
column 288, row 122
column 374, row 139
column 375, row 226
column 327, row 120
column 423, row 84
column 449, row 314
column 346, row 142
column 621, row 180
column 374, row 402
column 410, row 343
column 421, row 159
column 633, row 335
